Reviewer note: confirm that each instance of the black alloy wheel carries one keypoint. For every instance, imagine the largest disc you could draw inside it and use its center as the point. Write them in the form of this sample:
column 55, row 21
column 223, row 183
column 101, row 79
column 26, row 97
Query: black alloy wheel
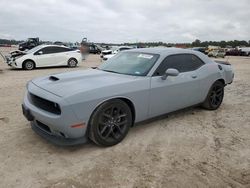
column 110, row 123
column 215, row 96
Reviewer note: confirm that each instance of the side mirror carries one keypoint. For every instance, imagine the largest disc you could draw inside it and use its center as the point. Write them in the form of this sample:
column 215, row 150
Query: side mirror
column 170, row 72
column 40, row 52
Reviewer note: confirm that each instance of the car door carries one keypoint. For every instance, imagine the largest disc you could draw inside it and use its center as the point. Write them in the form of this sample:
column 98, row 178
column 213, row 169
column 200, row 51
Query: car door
column 175, row 92
column 62, row 55
column 46, row 57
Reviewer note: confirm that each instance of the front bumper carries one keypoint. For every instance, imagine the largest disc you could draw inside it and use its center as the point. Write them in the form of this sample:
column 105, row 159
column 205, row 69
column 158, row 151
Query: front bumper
column 53, row 127
column 8, row 60
column 57, row 140
column 11, row 62
column 45, row 132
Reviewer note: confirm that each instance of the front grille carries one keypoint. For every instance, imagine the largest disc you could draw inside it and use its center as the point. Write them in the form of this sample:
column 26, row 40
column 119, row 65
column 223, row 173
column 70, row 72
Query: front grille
column 43, row 126
column 44, row 104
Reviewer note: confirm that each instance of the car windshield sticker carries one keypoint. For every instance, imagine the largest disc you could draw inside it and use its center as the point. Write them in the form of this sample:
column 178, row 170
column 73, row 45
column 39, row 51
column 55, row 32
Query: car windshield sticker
column 137, row 72
column 146, row 56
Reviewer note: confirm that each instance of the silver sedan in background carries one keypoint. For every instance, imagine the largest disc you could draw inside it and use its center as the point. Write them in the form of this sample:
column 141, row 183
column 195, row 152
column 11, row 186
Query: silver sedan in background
column 102, row 104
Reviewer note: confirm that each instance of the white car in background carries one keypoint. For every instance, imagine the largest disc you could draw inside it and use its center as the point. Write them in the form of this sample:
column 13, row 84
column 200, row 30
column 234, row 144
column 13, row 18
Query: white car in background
column 114, row 52
column 122, row 48
column 217, row 53
column 245, row 50
column 46, row 56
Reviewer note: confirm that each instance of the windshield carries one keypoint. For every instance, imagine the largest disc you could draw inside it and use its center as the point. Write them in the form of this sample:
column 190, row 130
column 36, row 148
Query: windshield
column 130, row 63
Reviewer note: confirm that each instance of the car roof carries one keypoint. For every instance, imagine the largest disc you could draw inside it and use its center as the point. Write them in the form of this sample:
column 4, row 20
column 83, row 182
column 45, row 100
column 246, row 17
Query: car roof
column 163, row 51
column 52, row 45
column 125, row 47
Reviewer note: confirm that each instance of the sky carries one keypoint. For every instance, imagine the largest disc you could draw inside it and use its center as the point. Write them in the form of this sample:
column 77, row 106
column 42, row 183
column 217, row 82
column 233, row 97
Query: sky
column 118, row 21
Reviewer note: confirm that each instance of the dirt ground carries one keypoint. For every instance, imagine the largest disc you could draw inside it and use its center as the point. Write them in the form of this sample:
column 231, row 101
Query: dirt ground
column 189, row 148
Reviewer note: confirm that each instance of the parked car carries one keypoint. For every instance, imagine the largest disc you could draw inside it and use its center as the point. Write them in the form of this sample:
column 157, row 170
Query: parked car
column 115, row 51
column 217, row 53
column 59, row 43
column 94, row 49
column 107, row 52
column 245, row 51
column 107, row 57
column 103, row 103
column 74, row 46
column 29, row 44
column 45, row 56
column 233, row 52
column 122, row 48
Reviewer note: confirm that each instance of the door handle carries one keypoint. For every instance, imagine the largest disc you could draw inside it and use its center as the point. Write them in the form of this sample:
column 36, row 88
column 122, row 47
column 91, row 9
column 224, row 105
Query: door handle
column 194, row 76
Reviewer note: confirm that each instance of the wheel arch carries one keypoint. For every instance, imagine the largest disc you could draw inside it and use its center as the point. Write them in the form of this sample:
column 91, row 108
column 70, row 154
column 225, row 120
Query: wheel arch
column 124, row 99
column 222, row 81
column 131, row 106
column 206, row 104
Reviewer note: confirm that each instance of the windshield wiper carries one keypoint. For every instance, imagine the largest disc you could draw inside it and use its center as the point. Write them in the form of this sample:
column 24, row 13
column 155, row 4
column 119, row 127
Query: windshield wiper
column 110, row 71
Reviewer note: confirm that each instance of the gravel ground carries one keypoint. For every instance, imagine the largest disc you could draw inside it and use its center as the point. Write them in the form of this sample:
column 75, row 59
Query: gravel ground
column 189, row 148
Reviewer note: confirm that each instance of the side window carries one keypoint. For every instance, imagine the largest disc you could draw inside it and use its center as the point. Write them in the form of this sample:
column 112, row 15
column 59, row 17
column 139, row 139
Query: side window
column 46, row 50
column 51, row 50
column 181, row 62
column 172, row 61
column 60, row 49
column 197, row 62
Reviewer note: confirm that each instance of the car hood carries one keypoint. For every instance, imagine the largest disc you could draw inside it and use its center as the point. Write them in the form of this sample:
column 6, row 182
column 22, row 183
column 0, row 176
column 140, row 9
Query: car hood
column 106, row 51
column 70, row 83
column 17, row 53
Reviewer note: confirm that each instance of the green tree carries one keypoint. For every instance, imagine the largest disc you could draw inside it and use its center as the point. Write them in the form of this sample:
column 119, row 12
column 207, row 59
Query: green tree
column 196, row 43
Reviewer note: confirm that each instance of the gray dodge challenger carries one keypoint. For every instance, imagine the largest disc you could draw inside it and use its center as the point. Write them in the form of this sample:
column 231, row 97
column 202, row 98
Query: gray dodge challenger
column 102, row 103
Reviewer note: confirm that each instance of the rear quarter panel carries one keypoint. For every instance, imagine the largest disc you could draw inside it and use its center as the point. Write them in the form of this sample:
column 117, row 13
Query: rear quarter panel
column 209, row 73
column 228, row 73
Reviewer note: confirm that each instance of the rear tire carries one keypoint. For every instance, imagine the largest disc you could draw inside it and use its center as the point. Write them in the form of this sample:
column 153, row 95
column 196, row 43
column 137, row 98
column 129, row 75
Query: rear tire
column 110, row 123
column 28, row 65
column 72, row 62
column 215, row 96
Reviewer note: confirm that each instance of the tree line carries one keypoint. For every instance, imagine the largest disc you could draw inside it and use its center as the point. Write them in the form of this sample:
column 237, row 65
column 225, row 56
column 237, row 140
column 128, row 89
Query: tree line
column 223, row 44
column 196, row 43
column 10, row 42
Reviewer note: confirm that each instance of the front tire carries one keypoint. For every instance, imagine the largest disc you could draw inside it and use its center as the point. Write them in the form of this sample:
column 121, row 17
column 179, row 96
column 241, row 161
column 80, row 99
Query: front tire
column 215, row 96
column 28, row 65
column 110, row 123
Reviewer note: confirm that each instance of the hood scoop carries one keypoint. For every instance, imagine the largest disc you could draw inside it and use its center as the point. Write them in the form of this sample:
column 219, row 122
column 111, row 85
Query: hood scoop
column 53, row 78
